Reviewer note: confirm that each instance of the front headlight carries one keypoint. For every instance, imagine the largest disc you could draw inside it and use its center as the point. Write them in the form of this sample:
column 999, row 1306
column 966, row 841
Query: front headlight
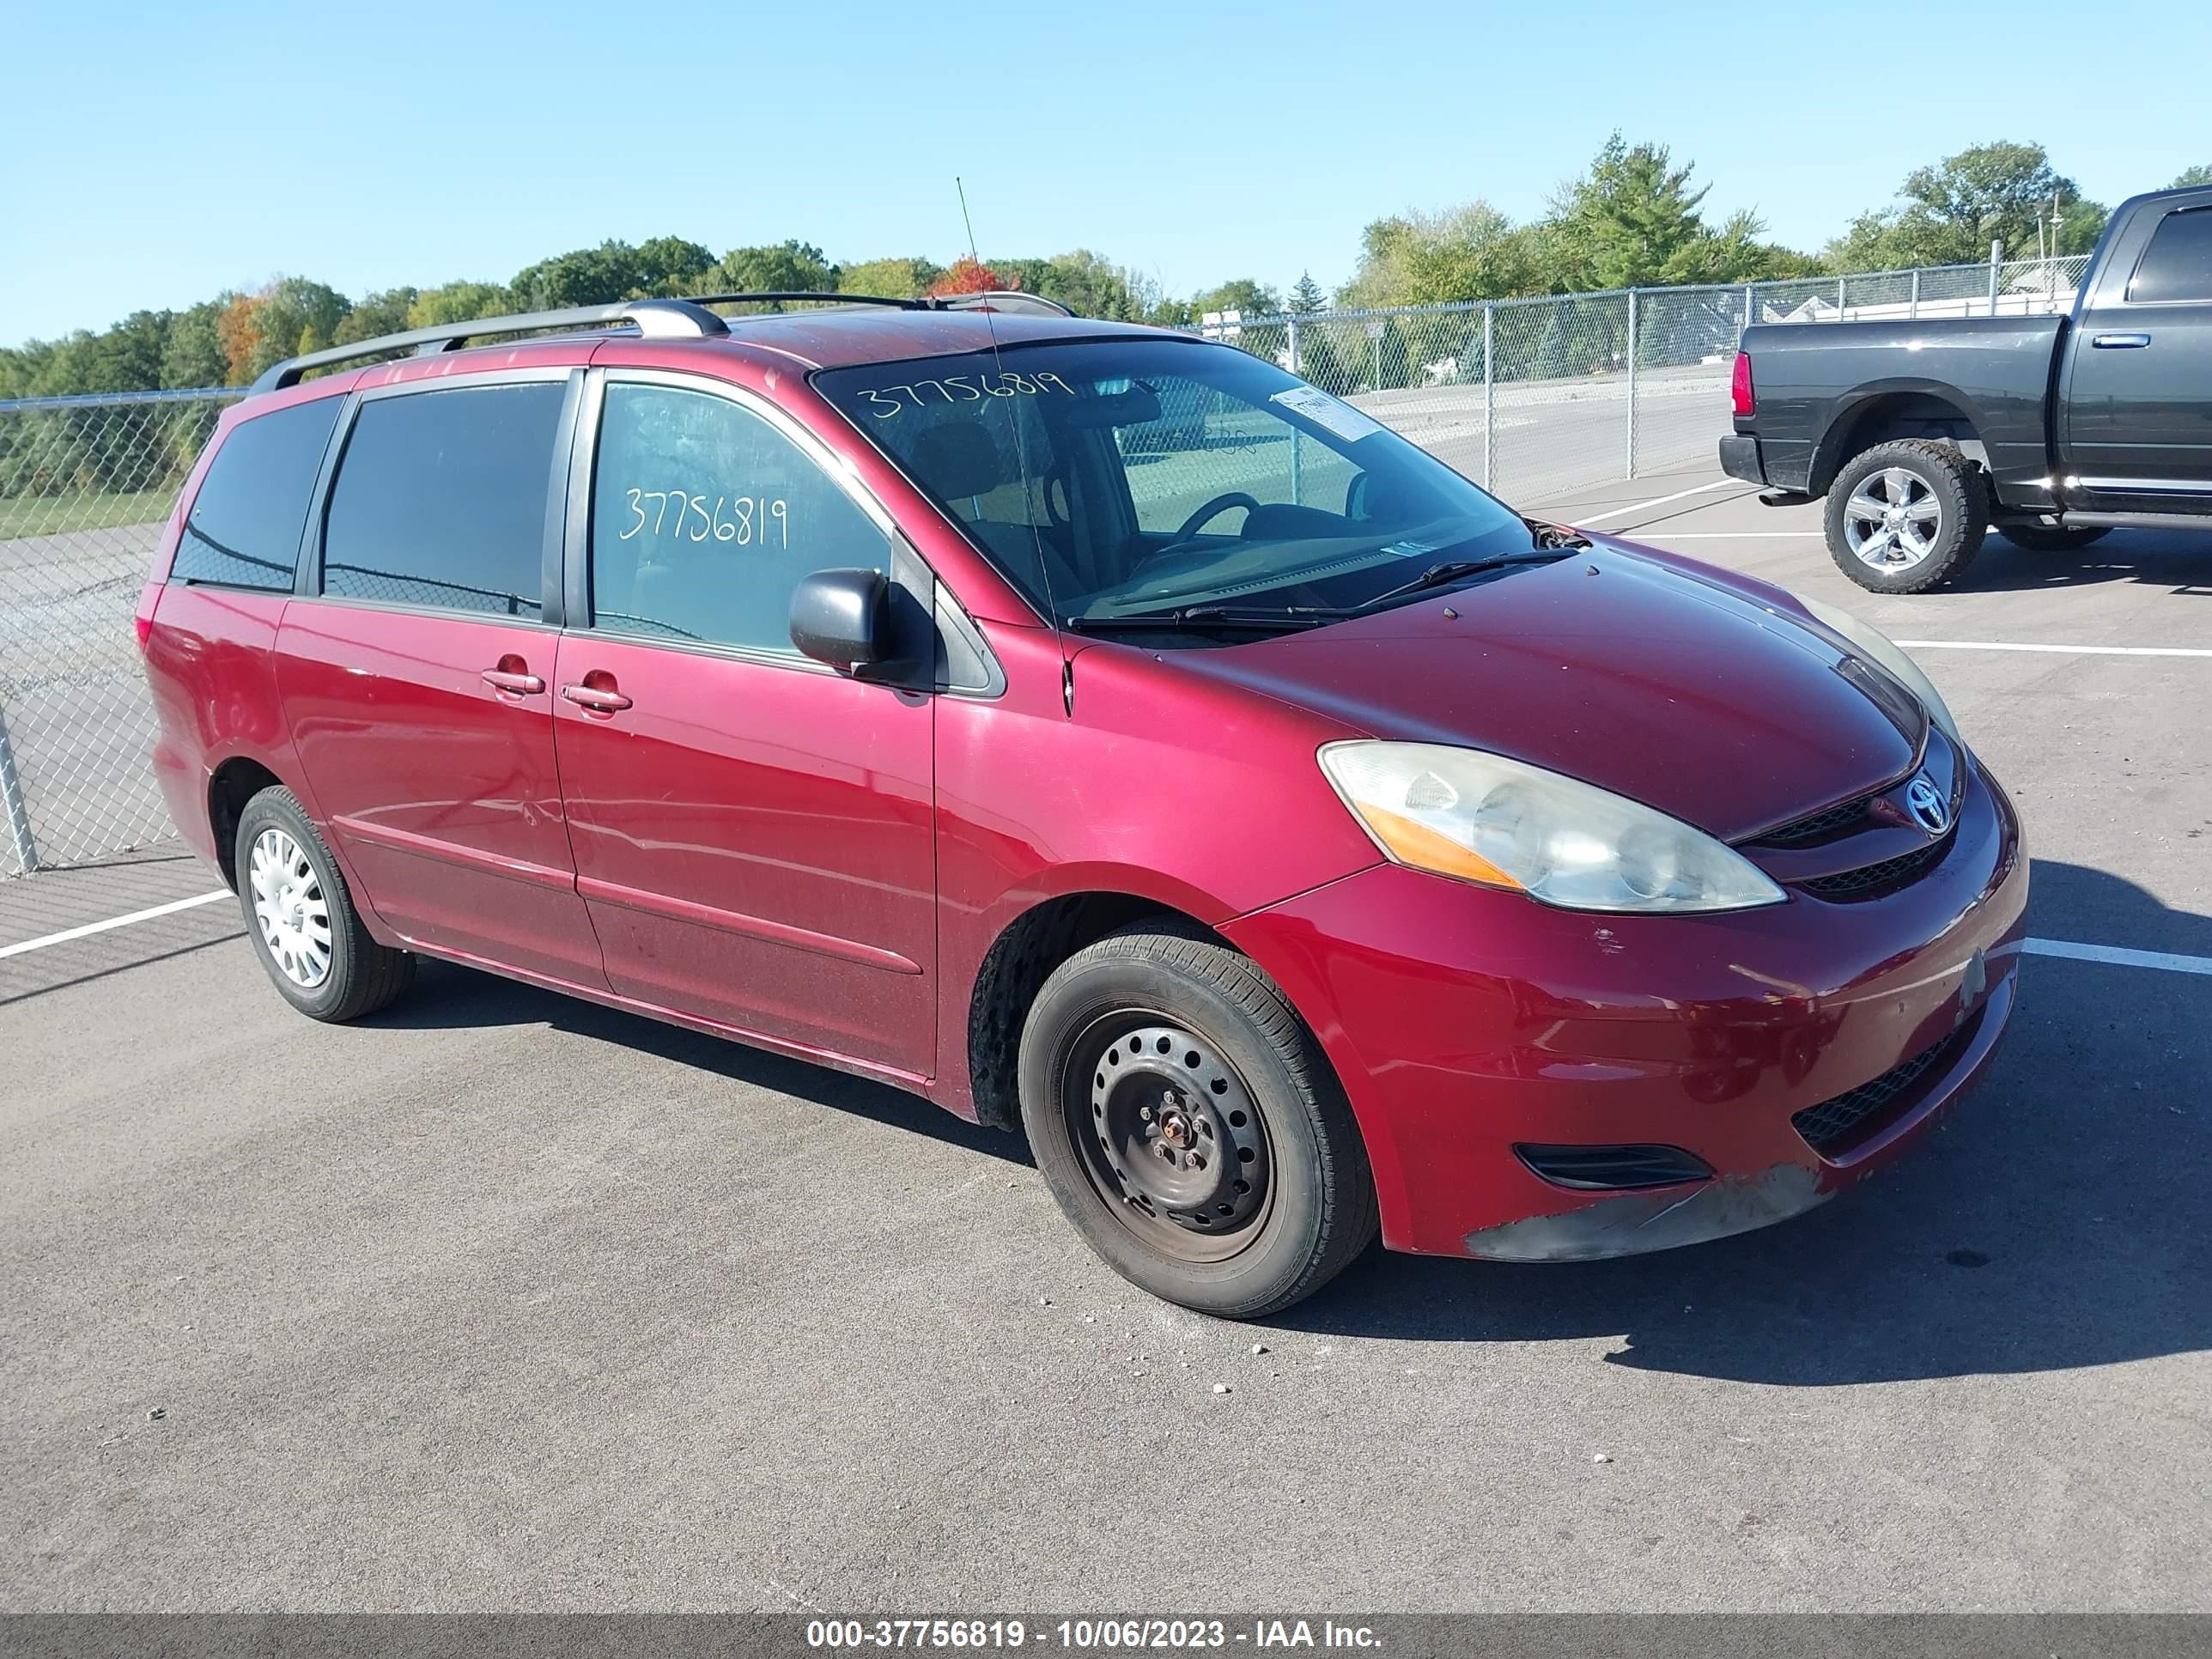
column 1879, row 648
column 1503, row 824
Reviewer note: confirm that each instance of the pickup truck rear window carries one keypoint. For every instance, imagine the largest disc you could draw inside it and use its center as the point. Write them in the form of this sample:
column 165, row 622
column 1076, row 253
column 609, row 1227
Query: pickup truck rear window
column 2177, row 263
column 244, row 531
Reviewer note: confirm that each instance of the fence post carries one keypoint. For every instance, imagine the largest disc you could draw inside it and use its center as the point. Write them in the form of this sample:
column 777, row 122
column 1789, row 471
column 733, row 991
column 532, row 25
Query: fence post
column 1912, row 311
column 11, row 795
column 1297, row 490
column 1489, row 394
column 1632, row 383
column 1996, row 253
column 1839, row 298
column 1750, row 307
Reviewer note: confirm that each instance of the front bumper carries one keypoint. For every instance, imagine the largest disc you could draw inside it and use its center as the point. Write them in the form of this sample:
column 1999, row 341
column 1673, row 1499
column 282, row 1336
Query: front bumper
column 1463, row 1020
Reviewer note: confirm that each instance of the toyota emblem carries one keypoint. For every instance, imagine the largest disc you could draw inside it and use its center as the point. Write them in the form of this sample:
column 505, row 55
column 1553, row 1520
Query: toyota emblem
column 1926, row 803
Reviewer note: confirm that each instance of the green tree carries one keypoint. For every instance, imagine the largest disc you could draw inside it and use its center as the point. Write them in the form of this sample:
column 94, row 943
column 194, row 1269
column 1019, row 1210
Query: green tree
column 1087, row 283
column 1469, row 253
column 890, row 279
column 378, row 314
column 192, row 355
column 669, row 265
column 2199, row 174
column 459, row 302
column 1239, row 294
column 1305, row 295
column 582, row 276
column 1949, row 213
column 786, row 267
column 291, row 310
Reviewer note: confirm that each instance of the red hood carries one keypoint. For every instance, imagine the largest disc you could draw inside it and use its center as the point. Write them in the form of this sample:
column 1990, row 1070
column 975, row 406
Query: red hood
column 1640, row 677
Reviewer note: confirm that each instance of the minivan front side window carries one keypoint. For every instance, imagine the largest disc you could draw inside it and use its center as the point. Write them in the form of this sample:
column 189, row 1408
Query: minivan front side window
column 440, row 499
column 705, row 517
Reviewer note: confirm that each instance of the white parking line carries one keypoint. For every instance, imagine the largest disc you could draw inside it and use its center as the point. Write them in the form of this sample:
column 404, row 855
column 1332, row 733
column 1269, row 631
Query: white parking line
column 92, row 927
column 2061, row 650
column 1661, row 533
column 1658, row 500
column 2112, row 953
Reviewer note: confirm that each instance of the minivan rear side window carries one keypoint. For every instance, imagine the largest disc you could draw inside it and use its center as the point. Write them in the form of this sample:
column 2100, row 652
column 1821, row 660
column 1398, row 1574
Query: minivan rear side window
column 244, row 528
column 2177, row 263
column 705, row 517
column 440, row 498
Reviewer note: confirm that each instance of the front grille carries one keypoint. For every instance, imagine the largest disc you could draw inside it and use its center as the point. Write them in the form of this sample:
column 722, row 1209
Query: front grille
column 1613, row 1168
column 1819, row 824
column 1870, row 880
column 1832, row 1126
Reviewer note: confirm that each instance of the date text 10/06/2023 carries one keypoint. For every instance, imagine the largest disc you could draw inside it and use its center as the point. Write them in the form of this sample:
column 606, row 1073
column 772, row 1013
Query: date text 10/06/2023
column 1087, row 1634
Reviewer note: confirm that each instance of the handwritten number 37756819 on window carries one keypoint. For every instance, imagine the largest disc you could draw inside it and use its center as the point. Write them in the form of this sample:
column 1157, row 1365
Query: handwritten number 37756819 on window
column 743, row 520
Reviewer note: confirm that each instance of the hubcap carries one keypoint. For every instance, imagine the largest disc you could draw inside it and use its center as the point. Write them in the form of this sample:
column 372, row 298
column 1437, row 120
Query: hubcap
column 1893, row 520
column 1170, row 1136
column 289, row 908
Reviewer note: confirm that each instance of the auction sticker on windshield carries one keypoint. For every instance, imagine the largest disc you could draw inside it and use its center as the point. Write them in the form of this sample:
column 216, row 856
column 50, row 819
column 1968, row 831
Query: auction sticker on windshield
column 1341, row 418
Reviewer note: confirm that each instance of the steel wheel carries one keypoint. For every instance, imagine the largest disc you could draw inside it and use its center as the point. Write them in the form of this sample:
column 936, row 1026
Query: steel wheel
column 1892, row 521
column 289, row 906
column 1170, row 1136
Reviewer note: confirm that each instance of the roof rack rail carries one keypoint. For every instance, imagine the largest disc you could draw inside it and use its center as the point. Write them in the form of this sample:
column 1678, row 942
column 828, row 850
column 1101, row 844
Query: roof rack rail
column 673, row 318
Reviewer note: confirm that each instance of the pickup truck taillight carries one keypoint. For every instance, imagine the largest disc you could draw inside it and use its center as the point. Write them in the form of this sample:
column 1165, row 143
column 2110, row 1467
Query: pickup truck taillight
column 1739, row 390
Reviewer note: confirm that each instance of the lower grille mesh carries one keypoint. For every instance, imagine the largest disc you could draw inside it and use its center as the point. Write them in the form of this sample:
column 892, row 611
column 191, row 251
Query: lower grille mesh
column 1830, row 1126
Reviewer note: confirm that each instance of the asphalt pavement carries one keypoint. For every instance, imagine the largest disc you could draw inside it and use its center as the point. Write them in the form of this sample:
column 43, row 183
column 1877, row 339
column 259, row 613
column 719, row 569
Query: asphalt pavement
column 500, row 1300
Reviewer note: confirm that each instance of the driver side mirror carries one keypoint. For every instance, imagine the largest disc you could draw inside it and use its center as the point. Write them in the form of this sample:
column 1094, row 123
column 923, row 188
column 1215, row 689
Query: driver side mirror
column 840, row 616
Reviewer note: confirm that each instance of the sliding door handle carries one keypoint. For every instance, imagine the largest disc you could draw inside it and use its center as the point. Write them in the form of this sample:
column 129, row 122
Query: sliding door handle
column 2119, row 341
column 519, row 685
column 600, row 700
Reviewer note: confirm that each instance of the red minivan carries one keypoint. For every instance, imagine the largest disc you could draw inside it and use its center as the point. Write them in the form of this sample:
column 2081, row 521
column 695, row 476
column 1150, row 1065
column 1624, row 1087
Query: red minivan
column 1096, row 731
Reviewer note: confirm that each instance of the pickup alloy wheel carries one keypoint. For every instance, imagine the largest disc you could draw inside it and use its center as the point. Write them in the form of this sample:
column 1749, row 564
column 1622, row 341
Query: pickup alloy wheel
column 1905, row 516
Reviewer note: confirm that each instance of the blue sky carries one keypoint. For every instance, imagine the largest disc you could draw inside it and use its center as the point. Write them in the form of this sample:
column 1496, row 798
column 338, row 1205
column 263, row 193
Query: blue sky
column 159, row 153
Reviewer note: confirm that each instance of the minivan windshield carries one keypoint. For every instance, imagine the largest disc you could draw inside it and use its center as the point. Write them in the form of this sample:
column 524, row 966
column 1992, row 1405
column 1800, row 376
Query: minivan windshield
column 1125, row 481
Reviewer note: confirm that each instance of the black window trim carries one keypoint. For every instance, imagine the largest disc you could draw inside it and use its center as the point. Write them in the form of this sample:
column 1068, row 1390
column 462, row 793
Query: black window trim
column 909, row 569
column 309, row 583
column 314, row 500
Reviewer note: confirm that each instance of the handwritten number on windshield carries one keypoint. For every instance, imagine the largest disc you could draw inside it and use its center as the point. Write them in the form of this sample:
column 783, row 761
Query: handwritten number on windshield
column 749, row 519
column 886, row 402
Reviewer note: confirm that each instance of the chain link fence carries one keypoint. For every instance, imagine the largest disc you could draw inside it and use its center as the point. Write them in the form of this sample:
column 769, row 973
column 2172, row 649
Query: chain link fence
column 1532, row 398
column 85, row 486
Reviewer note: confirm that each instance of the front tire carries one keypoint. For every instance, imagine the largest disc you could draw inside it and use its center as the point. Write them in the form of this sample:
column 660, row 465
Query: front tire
column 2047, row 538
column 1906, row 516
column 302, row 917
column 1189, row 1126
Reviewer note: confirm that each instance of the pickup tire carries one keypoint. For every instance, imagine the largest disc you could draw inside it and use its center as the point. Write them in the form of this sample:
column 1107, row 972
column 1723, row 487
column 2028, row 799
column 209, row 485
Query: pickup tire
column 1906, row 516
column 2045, row 539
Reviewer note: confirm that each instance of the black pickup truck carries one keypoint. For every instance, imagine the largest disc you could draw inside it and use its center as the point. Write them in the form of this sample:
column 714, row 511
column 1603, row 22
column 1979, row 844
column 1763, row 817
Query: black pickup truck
column 1922, row 434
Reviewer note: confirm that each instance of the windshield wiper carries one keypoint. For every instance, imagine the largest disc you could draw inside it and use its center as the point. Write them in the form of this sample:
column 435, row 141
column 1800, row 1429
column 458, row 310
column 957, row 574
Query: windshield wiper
column 1209, row 618
column 1553, row 544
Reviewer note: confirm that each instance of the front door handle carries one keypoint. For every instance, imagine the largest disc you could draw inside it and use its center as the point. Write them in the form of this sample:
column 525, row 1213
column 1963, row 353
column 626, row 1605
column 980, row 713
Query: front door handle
column 599, row 699
column 2119, row 341
column 521, row 685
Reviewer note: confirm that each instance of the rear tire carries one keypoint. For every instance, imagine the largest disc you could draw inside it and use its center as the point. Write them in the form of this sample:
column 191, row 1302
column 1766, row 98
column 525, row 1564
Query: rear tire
column 2045, row 539
column 1906, row 516
column 1189, row 1126
column 302, row 917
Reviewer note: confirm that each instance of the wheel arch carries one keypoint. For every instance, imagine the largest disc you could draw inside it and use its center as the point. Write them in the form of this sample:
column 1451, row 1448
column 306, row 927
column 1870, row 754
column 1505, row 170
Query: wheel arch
column 231, row 785
column 1891, row 410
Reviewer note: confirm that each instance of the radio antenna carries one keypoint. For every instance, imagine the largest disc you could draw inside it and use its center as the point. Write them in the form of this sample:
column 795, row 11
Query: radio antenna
column 1022, row 460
